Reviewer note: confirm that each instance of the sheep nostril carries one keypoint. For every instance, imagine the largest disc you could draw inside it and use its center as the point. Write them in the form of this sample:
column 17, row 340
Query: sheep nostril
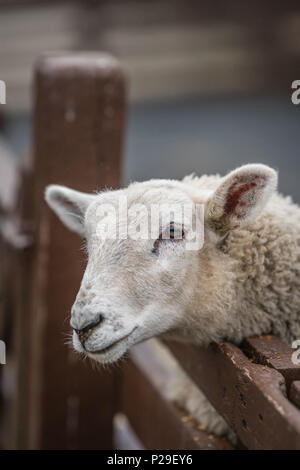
column 87, row 330
column 82, row 338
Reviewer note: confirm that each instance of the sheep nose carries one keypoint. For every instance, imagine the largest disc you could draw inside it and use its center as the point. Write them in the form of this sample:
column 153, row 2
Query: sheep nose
column 86, row 331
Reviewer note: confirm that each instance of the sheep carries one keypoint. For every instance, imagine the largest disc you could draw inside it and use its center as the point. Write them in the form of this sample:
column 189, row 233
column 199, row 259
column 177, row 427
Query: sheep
column 242, row 280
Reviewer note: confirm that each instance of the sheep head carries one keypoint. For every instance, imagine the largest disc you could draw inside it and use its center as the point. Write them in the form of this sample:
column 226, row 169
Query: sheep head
column 154, row 266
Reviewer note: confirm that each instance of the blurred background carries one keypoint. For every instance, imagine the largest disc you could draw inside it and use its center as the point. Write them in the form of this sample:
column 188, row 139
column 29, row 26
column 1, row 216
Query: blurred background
column 209, row 82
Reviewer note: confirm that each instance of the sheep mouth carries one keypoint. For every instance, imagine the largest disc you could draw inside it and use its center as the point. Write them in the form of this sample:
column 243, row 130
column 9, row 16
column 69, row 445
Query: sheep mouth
column 112, row 346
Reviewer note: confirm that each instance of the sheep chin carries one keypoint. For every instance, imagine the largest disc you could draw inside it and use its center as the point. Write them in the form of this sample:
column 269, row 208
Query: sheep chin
column 112, row 353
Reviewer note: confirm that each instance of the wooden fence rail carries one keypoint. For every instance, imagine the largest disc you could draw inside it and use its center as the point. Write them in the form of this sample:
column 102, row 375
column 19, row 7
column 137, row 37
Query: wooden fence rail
column 59, row 402
column 251, row 396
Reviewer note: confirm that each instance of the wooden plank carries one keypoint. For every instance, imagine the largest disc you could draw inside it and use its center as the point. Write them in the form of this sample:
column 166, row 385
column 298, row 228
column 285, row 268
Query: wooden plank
column 78, row 126
column 251, row 397
column 24, row 251
column 272, row 351
column 158, row 423
column 16, row 261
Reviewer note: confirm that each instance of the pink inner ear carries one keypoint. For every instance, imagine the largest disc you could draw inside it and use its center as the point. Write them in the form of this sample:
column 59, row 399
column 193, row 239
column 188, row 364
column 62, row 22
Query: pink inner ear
column 65, row 202
column 238, row 189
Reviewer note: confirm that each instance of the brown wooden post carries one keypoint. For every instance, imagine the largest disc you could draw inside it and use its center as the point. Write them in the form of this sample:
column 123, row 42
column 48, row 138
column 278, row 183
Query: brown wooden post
column 21, row 242
column 16, row 262
column 159, row 423
column 79, row 104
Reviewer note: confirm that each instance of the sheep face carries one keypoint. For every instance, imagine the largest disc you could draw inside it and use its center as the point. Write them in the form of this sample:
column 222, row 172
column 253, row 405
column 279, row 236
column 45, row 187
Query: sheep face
column 140, row 248
column 145, row 247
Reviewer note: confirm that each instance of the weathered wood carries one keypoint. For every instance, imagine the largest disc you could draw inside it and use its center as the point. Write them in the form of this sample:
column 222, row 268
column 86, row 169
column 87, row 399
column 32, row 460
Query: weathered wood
column 79, row 104
column 23, row 284
column 251, row 397
column 158, row 423
column 272, row 351
column 15, row 263
column 295, row 393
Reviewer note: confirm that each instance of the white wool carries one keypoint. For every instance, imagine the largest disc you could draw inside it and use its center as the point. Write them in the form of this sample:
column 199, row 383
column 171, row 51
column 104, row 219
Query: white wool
column 244, row 281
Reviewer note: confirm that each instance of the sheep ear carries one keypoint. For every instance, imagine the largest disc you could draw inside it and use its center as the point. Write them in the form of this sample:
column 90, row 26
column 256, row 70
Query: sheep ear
column 69, row 205
column 241, row 197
